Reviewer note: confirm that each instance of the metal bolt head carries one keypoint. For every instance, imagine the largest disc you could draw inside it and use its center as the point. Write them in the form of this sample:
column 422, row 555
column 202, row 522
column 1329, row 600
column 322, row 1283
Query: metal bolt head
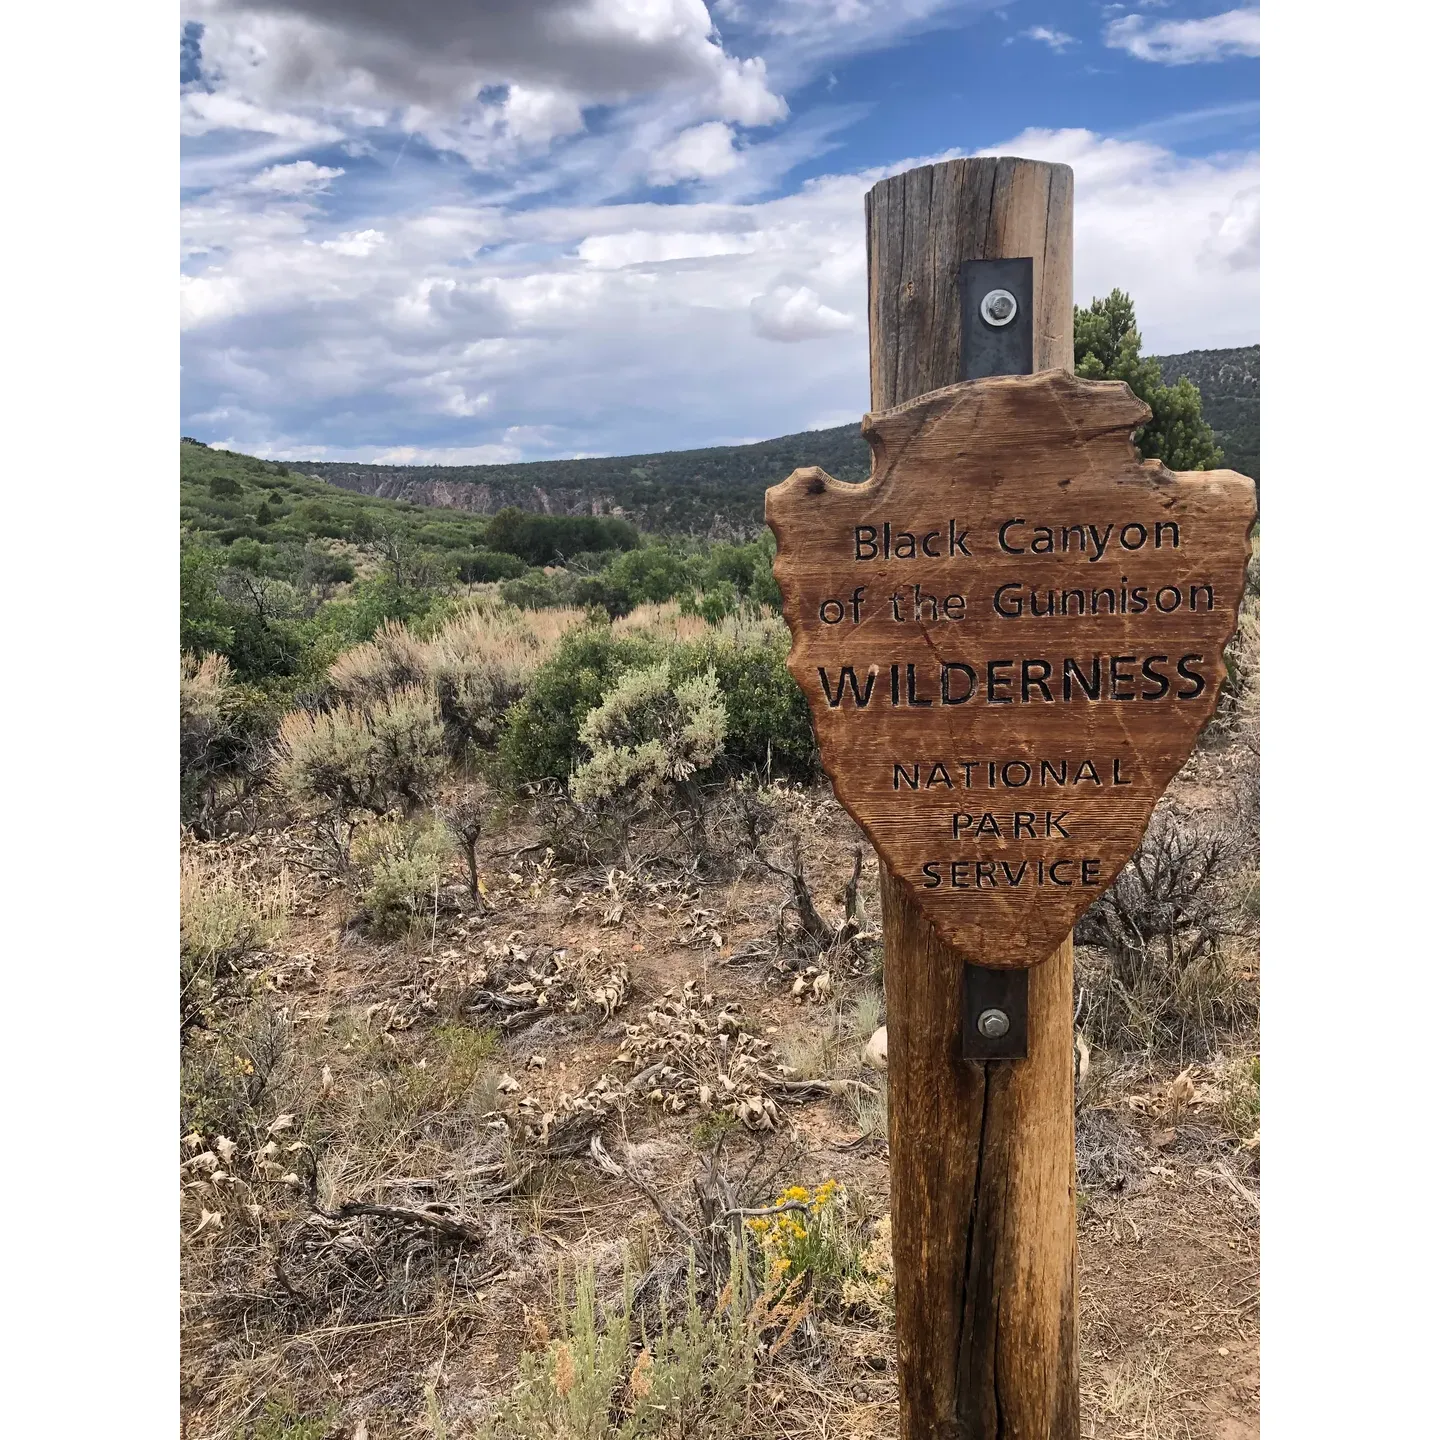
column 992, row 1024
column 999, row 307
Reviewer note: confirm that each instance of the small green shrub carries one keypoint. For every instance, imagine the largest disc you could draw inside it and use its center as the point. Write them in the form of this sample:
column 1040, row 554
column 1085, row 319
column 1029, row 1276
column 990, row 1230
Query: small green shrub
column 281, row 1419
column 650, row 734
column 401, row 864
column 544, row 539
column 654, row 573
column 767, row 720
column 542, row 733
column 479, row 567
column 601, row 1380
column 713, row 604
column 236, row 1077
column 535, row 590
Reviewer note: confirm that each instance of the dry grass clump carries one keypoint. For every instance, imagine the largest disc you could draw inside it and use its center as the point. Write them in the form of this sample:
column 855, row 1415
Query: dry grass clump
column 334, row 1183
column 395, row 658
column 480, row 663
column 1170, row 958
column 1240, row 1096
column 223, row 747
column 1142, row 1388
column 1185, row 1012
column 1238, row 714
column 225, row 914
column 746, row 626
column 476, row 666
column 663, row 621
column 205, row 682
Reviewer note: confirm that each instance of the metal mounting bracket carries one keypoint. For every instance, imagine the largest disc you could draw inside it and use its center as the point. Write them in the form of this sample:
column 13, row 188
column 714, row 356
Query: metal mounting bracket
column 997, row 338
column 997, row 1014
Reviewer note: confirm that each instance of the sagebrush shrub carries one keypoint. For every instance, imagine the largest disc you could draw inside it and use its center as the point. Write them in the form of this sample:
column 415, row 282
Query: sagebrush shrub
column 224, row 914
column 369, row 758
column 600, row 1380
column 650, row 735
column 768, row 722
column 401, row 864
column 205, row 683
column 223, row 748
column 206, row 686
column 542, row 734
column 480, row 664
column 392, row 661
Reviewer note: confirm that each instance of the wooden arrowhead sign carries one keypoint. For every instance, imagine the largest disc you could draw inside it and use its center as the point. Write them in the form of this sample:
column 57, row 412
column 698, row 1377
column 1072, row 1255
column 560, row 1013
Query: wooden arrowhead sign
column 1010, row 637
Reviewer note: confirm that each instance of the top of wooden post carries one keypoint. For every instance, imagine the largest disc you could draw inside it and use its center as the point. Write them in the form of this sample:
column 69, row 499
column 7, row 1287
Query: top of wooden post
column 921, row 224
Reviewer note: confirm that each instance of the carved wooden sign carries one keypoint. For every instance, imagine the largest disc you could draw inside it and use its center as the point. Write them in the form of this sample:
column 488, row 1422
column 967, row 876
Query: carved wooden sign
column 1010, row 637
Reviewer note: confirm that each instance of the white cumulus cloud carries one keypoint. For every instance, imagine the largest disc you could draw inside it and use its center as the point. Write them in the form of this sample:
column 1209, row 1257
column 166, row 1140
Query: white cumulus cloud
column 1187, row 42
column 303, row 177
column 700, row 153
column 792, row 312
column 437, row 54
column 1057, row 40
column 564, row 328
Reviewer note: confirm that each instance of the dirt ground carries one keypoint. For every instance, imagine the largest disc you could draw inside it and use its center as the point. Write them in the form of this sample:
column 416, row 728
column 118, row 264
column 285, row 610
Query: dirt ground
column 416, row 1334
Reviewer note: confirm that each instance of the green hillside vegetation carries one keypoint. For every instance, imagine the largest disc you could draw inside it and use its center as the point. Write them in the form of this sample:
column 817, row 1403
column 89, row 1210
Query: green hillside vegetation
column 720, row 492
column 282, row 572
column 1229, row 386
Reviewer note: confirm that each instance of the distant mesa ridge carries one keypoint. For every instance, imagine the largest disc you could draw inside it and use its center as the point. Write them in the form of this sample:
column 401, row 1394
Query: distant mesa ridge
column 720, row 491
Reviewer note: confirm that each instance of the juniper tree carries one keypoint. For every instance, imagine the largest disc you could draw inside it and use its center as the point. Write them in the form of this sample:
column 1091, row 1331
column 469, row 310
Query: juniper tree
column 1107, row 347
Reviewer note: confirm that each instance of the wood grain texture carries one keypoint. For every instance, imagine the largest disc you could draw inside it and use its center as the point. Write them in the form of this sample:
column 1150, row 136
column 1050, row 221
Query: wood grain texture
column 1010, row 637
column 982, row 1186
column 982, row 1156
column 921, row 224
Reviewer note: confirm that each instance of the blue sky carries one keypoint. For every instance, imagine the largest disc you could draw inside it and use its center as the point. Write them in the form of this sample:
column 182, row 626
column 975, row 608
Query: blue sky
column 462, row 231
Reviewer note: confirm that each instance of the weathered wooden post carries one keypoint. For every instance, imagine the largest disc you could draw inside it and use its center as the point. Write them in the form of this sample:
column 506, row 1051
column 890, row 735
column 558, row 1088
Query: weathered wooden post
column 1010, row 637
